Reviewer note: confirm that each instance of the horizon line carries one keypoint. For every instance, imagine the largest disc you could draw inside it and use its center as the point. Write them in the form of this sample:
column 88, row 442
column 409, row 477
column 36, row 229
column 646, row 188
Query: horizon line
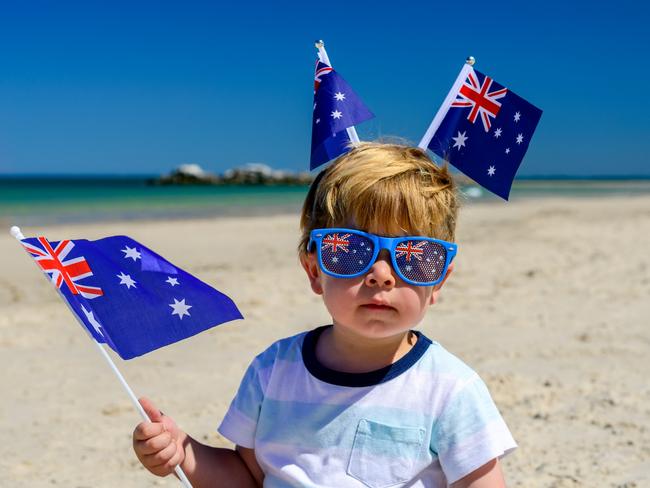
column 135, row 176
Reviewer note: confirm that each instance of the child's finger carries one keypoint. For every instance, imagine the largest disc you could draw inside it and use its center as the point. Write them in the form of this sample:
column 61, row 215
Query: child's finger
column 175, row 460
column 169, row 424
column 154, row 414
column 160, row 471
column 154, row 444
column 146, row 430
column 161, row 457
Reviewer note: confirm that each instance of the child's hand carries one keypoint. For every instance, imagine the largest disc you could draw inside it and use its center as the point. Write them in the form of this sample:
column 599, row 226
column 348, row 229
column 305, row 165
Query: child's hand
column 158, row 444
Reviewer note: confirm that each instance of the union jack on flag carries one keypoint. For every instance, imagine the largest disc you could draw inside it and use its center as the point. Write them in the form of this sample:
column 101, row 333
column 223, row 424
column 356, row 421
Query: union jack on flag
column 479, row 97
column 52, row 261
column 126, row 295
column 490, row 153
column 321, row 70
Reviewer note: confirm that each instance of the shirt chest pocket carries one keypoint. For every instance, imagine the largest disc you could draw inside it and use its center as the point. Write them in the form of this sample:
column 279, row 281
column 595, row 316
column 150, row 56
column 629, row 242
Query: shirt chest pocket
column 383, row 455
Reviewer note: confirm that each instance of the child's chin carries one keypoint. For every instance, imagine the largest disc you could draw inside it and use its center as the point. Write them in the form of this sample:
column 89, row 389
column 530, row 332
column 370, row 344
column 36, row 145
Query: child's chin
column 379, row 329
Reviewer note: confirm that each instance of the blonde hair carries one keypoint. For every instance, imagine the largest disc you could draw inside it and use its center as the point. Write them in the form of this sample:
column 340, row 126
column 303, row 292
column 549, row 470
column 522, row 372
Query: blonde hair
column 382, row 188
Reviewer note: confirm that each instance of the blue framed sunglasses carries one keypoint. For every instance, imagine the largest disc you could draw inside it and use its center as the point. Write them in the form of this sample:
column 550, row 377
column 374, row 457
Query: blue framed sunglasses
column 348, row 253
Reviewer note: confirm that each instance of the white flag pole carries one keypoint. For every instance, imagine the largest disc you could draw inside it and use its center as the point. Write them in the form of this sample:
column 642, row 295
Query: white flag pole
column 15, row 231
column 322, row 54
column 442, row 111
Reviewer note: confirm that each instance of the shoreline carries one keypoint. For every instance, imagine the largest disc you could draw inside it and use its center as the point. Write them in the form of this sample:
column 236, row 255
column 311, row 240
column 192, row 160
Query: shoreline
column 162, row 215
column 233, row 212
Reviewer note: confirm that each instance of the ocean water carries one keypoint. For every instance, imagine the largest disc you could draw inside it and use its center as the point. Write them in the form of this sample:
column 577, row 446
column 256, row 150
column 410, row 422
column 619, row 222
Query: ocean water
column 42, row 200
column 31, row 201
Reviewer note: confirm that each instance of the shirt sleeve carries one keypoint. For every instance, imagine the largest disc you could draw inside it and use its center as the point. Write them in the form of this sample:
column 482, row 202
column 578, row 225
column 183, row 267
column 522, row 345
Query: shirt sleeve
column 470, row 431
column 240, row 423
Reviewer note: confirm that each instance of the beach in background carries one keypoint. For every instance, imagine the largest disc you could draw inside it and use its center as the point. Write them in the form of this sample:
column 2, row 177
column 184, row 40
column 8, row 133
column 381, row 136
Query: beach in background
column 62, row 200
column 548, row 302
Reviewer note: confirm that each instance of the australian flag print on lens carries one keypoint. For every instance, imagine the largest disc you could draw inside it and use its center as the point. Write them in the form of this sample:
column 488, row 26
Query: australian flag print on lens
column 485, row 132
column 126, row 295
column 336, row 107
column 421, row 261
column 346, row 254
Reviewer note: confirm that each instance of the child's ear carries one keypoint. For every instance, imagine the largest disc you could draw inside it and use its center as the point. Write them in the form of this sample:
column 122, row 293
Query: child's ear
column 436, row 289
column 309, row 263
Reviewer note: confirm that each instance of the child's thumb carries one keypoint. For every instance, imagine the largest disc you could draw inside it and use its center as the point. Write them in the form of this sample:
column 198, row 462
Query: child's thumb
column 150, row 409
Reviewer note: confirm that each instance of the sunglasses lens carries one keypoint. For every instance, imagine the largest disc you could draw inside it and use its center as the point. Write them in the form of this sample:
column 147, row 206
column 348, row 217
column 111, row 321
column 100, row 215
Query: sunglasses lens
column 345, row 253
column 421, row 261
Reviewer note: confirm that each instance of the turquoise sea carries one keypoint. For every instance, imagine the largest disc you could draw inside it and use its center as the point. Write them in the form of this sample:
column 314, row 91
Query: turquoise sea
column 46, row 200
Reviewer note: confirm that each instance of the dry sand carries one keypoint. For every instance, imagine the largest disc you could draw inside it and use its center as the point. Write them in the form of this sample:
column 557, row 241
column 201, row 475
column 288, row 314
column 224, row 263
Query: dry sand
column 549, row 303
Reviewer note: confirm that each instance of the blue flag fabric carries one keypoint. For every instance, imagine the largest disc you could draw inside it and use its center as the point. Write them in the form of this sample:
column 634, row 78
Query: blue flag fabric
column 126, row 295
column 485, row 132
column 336, row 107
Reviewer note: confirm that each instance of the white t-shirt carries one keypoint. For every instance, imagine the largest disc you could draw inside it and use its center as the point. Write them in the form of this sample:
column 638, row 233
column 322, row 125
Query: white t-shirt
column 425, row 421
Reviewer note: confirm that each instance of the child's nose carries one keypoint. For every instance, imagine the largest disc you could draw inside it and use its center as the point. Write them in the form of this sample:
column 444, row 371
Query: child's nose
column 381, row 272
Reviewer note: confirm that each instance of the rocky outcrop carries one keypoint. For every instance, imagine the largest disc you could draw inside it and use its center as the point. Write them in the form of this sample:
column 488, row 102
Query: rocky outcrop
column 249, row 174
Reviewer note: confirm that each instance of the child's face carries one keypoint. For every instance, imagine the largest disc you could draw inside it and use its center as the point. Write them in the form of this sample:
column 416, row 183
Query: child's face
column 375, row 305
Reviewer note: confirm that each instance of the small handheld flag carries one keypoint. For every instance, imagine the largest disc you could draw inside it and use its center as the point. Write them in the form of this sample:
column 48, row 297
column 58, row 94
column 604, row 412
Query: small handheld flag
column 336, row 108
column 483, row 129
column 126, row 295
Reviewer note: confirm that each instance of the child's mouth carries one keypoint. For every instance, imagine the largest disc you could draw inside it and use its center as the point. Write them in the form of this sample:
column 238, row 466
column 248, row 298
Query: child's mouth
column 377, row 306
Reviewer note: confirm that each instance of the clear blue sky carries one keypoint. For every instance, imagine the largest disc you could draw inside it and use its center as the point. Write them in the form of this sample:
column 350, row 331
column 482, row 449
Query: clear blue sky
column 118, row 87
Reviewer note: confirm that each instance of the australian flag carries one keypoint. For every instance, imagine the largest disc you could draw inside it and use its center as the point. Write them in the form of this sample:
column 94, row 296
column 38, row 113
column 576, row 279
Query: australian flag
column 484, row 130
column 336, row 107
column 126, row 295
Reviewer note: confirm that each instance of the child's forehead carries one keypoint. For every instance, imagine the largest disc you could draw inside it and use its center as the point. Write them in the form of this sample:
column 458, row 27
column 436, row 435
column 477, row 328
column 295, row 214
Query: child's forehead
column 387, row 229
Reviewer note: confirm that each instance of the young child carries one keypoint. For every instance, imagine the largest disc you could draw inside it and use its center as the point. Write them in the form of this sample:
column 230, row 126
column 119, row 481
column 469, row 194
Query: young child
column 366, row 401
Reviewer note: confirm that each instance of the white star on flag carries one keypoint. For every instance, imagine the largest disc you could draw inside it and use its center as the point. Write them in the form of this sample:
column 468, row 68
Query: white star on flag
column 339, row 96
column 317, row 121
column 517, row 116
column 336, row 114
column 335, row 259
column 93, row 321
column 507, row 150
column 460, row 140
column 520, row 138
column 171, row 281
column 491, row 171
column 497, row 133
column 180, row 308
column 126, row 279
column 131, row 252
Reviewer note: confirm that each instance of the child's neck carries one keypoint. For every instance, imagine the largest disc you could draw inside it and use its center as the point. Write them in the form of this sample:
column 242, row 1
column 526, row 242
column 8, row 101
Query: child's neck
column 346, row 352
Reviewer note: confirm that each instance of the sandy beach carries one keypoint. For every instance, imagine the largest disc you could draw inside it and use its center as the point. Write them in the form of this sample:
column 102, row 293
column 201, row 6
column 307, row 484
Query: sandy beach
column 549, row 302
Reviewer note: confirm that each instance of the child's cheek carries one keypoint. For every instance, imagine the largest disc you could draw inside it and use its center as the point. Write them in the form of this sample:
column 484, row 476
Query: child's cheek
column 340, row 295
